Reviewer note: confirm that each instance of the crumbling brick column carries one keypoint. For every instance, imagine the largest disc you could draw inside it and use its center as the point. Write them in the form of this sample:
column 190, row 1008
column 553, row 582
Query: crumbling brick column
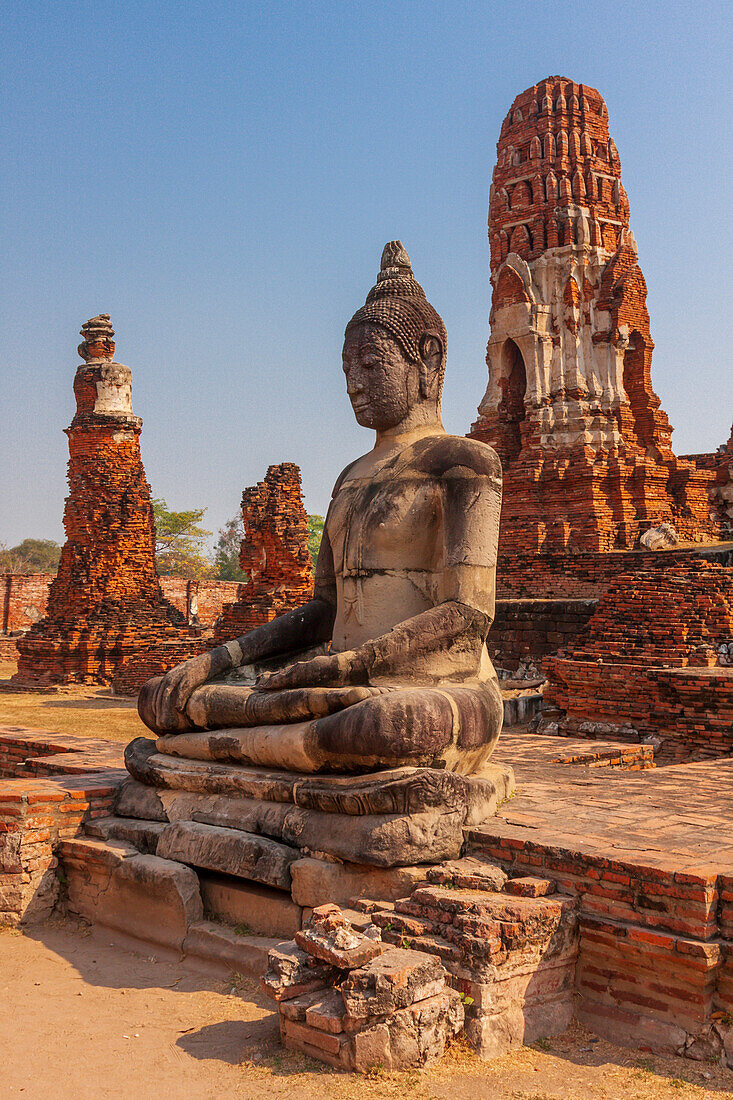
column 106, row 600
column 274, row 553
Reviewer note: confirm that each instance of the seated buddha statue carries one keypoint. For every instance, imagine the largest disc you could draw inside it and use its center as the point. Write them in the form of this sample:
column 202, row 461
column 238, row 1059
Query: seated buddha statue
column 403, row 596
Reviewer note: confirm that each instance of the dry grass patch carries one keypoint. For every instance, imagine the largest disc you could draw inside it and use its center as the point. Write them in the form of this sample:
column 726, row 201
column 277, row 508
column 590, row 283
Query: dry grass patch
column 82, row 711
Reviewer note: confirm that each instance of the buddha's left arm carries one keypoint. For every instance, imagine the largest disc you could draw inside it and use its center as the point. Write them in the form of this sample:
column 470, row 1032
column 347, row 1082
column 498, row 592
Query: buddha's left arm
column 470, row 503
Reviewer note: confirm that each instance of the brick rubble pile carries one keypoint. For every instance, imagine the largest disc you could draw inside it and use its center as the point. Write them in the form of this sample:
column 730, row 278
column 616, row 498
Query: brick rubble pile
column 351, row 1001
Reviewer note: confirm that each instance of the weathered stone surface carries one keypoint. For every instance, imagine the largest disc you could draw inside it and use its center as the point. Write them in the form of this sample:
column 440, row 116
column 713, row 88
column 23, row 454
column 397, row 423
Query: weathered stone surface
column 468, row 873
column 374, row 840
column 143, row 835
column 316, row 881
column 168, row 771
column 229, row 850
column 225, row 950
column 136, row 800
column 261, row 909
column 330, row 938
column 188, row 762
column 291, row 973
column 327, row 1012
column 396, row 979
column 111, row 883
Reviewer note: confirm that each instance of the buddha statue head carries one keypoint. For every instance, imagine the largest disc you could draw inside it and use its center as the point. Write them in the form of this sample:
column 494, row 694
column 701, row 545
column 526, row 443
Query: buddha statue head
column 394, row 349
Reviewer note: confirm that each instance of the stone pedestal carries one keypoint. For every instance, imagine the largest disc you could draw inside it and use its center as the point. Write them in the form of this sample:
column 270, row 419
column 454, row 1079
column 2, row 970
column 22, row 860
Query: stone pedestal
column 223, row 817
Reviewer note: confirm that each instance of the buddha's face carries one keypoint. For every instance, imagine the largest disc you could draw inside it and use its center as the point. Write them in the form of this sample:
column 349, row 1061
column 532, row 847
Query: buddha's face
column 382, row 384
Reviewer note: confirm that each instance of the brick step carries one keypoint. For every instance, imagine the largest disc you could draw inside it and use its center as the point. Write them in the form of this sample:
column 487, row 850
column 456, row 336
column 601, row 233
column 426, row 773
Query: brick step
column 156, row 901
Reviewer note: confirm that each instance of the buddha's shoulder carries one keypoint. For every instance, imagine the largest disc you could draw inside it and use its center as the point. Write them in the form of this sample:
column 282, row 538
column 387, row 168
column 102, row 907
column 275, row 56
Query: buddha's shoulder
column 438, row 455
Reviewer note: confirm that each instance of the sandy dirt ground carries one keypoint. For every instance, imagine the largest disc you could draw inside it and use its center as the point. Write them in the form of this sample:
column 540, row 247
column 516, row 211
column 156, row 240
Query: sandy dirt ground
column 84, row 1018
column 82, row 711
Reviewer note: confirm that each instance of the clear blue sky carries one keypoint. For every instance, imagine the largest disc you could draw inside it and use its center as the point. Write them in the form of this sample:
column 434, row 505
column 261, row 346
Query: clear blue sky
column 221, row 177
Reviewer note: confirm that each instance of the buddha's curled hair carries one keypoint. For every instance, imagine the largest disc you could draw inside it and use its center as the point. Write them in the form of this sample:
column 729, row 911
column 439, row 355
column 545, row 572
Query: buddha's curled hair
column 398, row 304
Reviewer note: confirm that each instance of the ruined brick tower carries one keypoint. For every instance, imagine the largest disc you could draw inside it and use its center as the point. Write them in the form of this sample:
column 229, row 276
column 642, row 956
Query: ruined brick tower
column 584, row 443
column 274, row 552
column 106, row 600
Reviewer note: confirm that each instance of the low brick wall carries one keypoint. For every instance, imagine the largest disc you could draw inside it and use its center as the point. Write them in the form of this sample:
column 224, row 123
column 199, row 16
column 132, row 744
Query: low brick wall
column 587, row 576
column 8, row 648
column 23, row 599
column 41, row 803
column 200, row 601
column 655, row 963
column 535, row 628
column 690, row 709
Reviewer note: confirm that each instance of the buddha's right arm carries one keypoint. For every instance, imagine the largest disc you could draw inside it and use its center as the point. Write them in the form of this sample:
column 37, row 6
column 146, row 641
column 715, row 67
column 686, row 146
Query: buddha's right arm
column 162, row 701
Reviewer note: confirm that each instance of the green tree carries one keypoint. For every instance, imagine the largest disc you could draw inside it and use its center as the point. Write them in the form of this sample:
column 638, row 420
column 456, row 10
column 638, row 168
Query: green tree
column 226, row 551
column 180, row 543
column 30, row 556
column 315, row 534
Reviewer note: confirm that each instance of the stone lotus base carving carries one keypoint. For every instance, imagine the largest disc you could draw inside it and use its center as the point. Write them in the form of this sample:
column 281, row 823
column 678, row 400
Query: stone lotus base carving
column 401, row 817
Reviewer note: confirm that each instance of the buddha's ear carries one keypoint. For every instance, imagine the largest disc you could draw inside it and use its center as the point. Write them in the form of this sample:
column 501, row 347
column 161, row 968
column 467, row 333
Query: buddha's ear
column 431, row 357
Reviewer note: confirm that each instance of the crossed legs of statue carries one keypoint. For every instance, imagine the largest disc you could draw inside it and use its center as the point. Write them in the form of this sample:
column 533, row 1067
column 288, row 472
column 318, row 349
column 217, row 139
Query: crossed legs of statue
column 343, row 729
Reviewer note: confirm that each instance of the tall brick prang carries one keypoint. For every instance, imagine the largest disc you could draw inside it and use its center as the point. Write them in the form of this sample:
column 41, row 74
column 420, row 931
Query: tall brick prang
column 274, row 553
column 106, row 601
column 584, row 443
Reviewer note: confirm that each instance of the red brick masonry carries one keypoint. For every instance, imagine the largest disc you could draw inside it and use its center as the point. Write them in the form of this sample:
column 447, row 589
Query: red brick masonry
column 50, row 784
column 649, row 658
column 584, row 444
column 274, row 553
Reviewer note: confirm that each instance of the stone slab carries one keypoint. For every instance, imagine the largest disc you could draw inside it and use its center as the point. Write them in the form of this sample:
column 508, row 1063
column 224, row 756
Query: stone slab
column 395, row 979
column 264, row 910
column 317, row 881
column 225, row 950
column 405, row 790
column 231, row 851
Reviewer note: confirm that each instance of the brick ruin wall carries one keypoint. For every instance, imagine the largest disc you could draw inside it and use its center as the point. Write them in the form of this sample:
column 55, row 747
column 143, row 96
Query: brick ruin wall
column 570, row 408
column 274, row 554
column 586, row 576
column 655, row 961
column 23, row 599
column 533, row 629
column 720, row 464
column 654, row 656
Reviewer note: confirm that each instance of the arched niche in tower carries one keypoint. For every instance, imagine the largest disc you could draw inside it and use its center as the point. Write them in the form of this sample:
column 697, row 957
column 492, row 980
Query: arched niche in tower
column 520, row 196
column 635, row 385
column 513, row 384
column 520, row 242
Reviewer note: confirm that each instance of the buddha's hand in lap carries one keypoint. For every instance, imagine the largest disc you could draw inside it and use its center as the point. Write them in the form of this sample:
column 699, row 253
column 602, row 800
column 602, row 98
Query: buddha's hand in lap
column 332, row 670
column 162, row 701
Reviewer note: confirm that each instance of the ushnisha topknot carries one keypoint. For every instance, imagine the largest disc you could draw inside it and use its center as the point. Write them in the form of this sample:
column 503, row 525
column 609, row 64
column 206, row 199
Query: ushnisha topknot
column 398, row 304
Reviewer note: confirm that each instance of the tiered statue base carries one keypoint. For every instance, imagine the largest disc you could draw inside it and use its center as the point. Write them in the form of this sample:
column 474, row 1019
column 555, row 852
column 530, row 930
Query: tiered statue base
column 254, row 822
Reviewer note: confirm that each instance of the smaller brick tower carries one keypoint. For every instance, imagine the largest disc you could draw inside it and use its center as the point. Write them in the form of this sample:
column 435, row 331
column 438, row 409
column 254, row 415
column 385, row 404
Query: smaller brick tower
column 274, row 552
column 105, row 602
